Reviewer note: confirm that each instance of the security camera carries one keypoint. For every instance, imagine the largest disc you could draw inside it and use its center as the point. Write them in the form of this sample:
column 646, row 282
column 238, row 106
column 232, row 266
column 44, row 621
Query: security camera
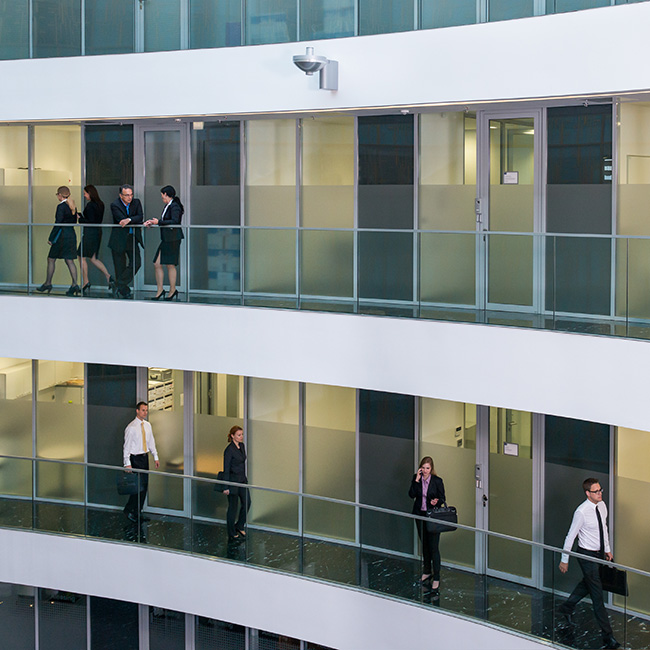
column 309, row 62
column 328, row 70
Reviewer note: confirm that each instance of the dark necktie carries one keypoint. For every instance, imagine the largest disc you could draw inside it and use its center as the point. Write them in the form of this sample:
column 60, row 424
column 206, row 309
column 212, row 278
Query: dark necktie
column 601, row 550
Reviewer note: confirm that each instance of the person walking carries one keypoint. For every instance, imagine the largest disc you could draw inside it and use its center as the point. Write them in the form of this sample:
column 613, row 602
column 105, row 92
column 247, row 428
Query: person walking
column 589, row 525
column 234, row 469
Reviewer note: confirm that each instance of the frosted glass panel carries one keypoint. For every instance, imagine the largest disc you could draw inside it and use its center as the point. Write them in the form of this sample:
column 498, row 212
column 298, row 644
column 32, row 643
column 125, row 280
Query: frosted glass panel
column 166, row 404
column 13, row 174
column 40, row 251
column 447, row 171
column 215, row 262
column 272, row 444
column 328, row 172
column 329, row 459
column 507, row 9
column 448, row 268
column 510, row 269
column 327, row 263
column 16, row 407
column 270, row 264
column 271, row 173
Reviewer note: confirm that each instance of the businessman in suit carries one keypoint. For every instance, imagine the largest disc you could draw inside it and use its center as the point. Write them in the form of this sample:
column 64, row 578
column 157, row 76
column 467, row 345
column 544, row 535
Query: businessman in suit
column 125, row 241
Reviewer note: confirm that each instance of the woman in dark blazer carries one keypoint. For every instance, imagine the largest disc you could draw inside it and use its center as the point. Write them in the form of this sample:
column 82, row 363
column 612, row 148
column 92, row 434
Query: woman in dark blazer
column 63, row 242
column 234, row 469
column 428, row 490
column 168, row 252
column 91, row 238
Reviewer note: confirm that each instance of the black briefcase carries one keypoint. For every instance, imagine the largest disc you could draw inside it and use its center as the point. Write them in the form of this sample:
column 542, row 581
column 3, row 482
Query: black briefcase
column 441, row 518
column 127, row 483
column 613, row 580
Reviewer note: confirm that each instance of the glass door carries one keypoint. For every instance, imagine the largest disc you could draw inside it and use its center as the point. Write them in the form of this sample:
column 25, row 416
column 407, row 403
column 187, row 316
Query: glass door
column 508, row 211
column 161, row 158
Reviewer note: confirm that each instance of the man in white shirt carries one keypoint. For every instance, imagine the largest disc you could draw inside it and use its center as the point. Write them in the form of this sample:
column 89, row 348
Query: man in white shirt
column 589, row 525
column 138, row 442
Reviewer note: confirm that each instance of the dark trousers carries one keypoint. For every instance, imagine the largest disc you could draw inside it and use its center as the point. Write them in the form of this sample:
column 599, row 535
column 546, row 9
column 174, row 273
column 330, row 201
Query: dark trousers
column 127, row 263
column 589, row 585
column 238, row 498
column 430, row 548
column 136, row 501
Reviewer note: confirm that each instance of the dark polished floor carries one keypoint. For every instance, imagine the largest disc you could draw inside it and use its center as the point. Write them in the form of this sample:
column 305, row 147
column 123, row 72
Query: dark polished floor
column 527, row 610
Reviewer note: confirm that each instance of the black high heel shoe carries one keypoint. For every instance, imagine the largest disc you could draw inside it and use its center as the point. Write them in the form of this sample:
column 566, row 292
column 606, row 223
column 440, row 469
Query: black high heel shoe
column 172, row 296
column 85, row 290
column 44, row 287
column 74, row 290
column 160, row 296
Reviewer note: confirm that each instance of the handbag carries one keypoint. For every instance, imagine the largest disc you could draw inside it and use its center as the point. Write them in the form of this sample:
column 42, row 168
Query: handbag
column 440, row 519
column 613, row 580
column 127, row 483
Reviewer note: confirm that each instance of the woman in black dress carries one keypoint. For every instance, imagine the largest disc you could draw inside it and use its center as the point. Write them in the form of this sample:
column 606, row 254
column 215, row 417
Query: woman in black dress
column 63, row 242
column 91, row 238
column 168, row 252
column 428, row 490
column 234, row 469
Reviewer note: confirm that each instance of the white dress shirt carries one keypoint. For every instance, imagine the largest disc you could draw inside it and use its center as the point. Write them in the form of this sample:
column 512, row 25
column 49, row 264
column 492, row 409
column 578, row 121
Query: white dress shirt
column 133, row 440
column 585, row 527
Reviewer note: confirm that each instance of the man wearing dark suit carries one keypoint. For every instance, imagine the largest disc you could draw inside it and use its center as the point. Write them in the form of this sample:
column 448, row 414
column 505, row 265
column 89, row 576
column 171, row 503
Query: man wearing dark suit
column 125, row 241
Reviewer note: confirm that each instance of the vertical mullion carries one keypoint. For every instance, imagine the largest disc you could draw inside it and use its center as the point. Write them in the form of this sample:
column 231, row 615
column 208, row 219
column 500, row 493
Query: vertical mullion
column 190, row 632
column 82, row 25
column 188, row 439
column 143, row 627
column 88, row 624
column 355, row 224
column 301, row 460
column 30, row 204
column 416, row 221
column 614, row 220
column 139, row 26
column 184, row 23
column 416, row 453
column 30, row 28
column 242, row 207
column 538, row 454
column 37, row 593
column 298, row 171
column 357, row 491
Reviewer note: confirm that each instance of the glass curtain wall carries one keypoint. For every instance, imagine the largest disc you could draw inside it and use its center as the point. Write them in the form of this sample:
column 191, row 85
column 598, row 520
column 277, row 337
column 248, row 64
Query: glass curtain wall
column 17, row 616
column 56, row 27
column 113, row 624
column 271, row 21
column 327, row 202
column 385, row 16
column 326, row 19
column 109, row 26
column 61, row 620
column 447, row 190
column 214, row 23
column 162, row 25
column 166, row 629
column 270, row 200
column 448, row 13
column 14, row 29
column 508, row 9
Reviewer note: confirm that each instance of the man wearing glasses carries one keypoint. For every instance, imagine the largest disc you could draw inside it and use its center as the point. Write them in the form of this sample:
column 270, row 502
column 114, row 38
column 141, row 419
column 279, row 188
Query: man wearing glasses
column 589, row 525
column 125, row 241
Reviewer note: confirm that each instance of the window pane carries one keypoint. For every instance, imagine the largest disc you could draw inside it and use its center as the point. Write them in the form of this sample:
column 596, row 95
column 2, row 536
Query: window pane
column 271, row 21
column 212, row 634
column 162, row 28
column 329, row 459
column 166, row 629
column 14, row 207
column 510, row 272
column 113, row 624
column 215, row 260
column 328, row 172
column 271, row 173
column 57, row 28
column 215, row 23
column 507, row 9
column 327, row 263
column 60, row 429
column 17, row 616
column 14, row 29
column 273, row 442
column 270, row 263
column 61, row 620
column 386, row 171
column 447, row 171
column 386, row 265
column 385, row 16
column 326, row 19
column 447, row 13
column 110, row 26
column 215, row 187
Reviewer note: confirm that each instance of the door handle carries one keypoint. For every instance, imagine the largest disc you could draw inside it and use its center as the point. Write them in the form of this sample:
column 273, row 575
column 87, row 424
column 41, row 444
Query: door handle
column 485, row 500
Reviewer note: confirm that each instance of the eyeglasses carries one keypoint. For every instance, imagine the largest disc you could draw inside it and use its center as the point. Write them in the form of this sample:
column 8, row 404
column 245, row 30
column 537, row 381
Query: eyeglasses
column 596, row 491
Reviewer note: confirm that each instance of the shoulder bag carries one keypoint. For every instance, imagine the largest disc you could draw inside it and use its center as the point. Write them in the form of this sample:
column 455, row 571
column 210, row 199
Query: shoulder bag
column 440, row 518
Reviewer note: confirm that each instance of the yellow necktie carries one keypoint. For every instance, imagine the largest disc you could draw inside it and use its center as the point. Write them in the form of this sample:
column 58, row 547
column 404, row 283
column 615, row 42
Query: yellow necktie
column 144, row 438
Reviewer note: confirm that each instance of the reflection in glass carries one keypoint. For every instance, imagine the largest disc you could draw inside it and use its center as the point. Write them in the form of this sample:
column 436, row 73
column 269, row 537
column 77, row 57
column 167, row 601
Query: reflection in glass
column 61, row 620
column 14, row 29
column 272, row 437
column 385, row 16
column 162, row 30
column 56, row 28
column 215, row 262
column 270, row 21
column 113, row 620
column 447, row 13
column 110, row 26
column 214, row 23
column 271, row 173
column 386, row 265
column 507, row 9
column 326, row 19
column 327, row 263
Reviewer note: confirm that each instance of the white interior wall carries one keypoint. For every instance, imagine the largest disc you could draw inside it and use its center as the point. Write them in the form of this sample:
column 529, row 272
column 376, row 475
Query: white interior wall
column 594, row 378
column 595, row 51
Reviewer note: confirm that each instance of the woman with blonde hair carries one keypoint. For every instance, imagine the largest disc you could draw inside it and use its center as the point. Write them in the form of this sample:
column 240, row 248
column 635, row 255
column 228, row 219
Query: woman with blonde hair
column 63, row 242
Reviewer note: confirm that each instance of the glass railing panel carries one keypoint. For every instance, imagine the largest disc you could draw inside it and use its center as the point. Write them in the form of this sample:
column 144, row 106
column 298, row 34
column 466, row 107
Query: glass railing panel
column 271, row 21
column 270, row 261
column 510, row 270
column 16, row 483
column 61, row 243
column 328, row 560
column 448, row 268
column 97, row 267
column 326, row 20
column 215, row 259
column 167, row 527
column 448, row 13
column 509, row 9
column 633, row 299
column 329, row 519
column 327, row 263
column 58, row 487
column 14, row 251
column 561, row 6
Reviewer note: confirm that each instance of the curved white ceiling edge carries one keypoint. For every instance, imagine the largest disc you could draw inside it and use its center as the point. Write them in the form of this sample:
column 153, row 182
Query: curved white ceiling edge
column 547, row 56
column 594, row 378
column 322, row 613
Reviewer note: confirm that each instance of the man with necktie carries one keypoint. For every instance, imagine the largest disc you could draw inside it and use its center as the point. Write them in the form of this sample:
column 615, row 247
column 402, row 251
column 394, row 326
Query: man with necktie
column 138, row 442
column 589, row 525
column 125, row 241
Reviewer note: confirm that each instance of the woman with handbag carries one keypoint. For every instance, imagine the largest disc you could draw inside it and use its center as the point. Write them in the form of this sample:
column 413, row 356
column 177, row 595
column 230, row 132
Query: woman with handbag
column 234, row 469
column 427, row 490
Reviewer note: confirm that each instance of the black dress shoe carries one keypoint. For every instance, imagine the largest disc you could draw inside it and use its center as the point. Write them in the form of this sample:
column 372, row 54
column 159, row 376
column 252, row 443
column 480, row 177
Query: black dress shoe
column 131, row 517
column 610, row 642
column 568, row 618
